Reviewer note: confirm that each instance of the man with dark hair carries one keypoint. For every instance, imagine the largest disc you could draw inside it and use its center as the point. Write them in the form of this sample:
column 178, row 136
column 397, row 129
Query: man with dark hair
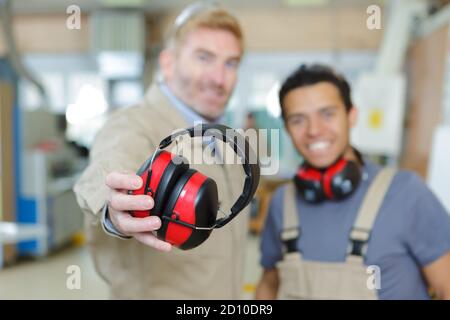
column 345, row 228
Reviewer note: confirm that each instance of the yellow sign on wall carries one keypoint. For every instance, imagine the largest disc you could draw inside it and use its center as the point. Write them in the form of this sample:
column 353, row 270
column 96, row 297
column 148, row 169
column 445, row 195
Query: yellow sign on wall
column 376, row 116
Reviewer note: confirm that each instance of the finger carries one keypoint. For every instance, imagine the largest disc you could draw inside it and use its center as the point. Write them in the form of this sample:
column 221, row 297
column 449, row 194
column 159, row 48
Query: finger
column 127, row 172
column 127, row 181
column 129, row 225
column 127, row 202
column 152, row 241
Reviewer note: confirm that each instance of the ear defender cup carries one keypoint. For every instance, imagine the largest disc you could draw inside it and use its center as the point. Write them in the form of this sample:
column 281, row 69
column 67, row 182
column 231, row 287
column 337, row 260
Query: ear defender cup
column 333, row 183
column 194, row 200
column 342, row 179
column 309, row 182
column 186, row 200
column 166, row 169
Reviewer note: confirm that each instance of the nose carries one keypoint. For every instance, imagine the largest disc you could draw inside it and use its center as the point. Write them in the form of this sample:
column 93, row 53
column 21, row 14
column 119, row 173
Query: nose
column 218, row 75
column 314, row 127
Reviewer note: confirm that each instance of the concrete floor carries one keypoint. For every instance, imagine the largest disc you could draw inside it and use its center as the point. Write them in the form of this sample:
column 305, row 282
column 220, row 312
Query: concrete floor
column 48, row 278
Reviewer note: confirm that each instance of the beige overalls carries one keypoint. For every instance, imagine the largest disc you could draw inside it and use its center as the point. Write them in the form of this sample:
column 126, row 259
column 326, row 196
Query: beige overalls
column 301, row 279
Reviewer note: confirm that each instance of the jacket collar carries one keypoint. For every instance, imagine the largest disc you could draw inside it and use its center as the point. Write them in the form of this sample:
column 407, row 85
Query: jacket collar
column 163, row 108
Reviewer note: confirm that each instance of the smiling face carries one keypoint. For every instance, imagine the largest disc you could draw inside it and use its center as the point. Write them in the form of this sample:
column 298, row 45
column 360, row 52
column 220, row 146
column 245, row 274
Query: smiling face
column 318, row 123
column 202, row 70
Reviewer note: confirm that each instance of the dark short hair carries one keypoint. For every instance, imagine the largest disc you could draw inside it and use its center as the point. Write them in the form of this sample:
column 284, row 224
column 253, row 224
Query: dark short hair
column 307, row 75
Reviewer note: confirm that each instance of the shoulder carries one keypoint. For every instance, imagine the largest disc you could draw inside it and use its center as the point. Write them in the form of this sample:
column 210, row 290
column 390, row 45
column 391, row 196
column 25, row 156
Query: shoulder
column 408, row 181
column 135, row 119
column 276, row 207
column 278, row 194
column 129, row 128
column 404, row 181
column 404, row 191
column 277, row 201
column 410, row 194
column 137, row 112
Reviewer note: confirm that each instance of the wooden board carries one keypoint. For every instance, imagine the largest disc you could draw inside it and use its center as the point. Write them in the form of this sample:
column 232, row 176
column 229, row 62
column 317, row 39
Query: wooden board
column 7, row 194
column 427, row 61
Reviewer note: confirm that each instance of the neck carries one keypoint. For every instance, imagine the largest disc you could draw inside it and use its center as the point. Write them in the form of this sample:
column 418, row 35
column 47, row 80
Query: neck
column 173, row 90
column 351, row 154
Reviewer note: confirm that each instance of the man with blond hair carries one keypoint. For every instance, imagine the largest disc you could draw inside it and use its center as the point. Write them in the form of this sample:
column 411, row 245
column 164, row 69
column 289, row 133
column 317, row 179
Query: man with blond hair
column 198, row 68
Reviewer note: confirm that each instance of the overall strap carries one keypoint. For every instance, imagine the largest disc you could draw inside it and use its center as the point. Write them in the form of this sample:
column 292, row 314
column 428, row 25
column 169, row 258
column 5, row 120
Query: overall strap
column 291, row 226
column 360, row 233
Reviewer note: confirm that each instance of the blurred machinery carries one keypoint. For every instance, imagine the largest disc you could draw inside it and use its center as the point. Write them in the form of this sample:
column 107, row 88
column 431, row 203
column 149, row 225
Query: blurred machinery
column 48, row 170
column 46, row 213
column 43, row 168
column 381, row 94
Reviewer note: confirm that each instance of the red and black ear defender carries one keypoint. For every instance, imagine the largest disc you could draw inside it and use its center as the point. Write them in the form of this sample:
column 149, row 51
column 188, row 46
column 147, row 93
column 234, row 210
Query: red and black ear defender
column 186, row 200
column 336, row 182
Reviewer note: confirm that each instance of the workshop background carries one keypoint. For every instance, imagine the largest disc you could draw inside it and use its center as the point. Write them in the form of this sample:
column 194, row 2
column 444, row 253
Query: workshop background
column 61, row 77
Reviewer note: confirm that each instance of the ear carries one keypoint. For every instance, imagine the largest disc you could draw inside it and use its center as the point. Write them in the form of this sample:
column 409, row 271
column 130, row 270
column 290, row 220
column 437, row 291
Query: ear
column 352, row 116
column 166, row 63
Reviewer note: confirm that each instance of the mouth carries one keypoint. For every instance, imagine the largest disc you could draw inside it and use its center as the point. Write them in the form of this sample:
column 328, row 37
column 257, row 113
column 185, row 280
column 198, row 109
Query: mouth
column 215, row 97
column 213, row 90
column 216, row 93
column 319, row 146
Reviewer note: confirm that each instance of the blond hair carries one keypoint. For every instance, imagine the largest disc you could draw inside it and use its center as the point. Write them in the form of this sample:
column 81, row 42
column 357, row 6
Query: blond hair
column 208, row 17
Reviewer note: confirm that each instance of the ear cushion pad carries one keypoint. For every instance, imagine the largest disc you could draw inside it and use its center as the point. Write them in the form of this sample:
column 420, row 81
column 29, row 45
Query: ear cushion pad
column 309, row 183
column 346, row 181
column 193, row 200
column 166, row 170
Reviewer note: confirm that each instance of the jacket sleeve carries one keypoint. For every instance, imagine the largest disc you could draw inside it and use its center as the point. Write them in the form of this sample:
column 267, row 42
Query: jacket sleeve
column 121, row 145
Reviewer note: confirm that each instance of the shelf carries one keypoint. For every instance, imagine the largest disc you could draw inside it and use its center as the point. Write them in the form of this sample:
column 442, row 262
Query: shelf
column 11, row 232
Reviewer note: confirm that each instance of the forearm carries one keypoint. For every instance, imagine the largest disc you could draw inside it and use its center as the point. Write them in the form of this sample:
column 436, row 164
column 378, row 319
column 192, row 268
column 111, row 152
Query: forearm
column 267, row 288
column 443, row 292
column 437, row 275
column 265, row 292
column 445, row 296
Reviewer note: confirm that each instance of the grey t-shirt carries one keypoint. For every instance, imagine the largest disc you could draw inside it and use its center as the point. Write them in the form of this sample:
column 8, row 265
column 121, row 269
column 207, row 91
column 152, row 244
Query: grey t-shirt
column 412, row 229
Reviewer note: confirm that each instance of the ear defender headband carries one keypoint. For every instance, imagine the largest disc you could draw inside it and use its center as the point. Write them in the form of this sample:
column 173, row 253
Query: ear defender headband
column 336, row 182
column 185, row 199
column 192, row 10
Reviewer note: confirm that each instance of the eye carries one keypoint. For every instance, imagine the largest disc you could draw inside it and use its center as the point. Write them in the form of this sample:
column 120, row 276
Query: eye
column 204, row 57
column 296, row 120
column 328, row 114
column 232, row 64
